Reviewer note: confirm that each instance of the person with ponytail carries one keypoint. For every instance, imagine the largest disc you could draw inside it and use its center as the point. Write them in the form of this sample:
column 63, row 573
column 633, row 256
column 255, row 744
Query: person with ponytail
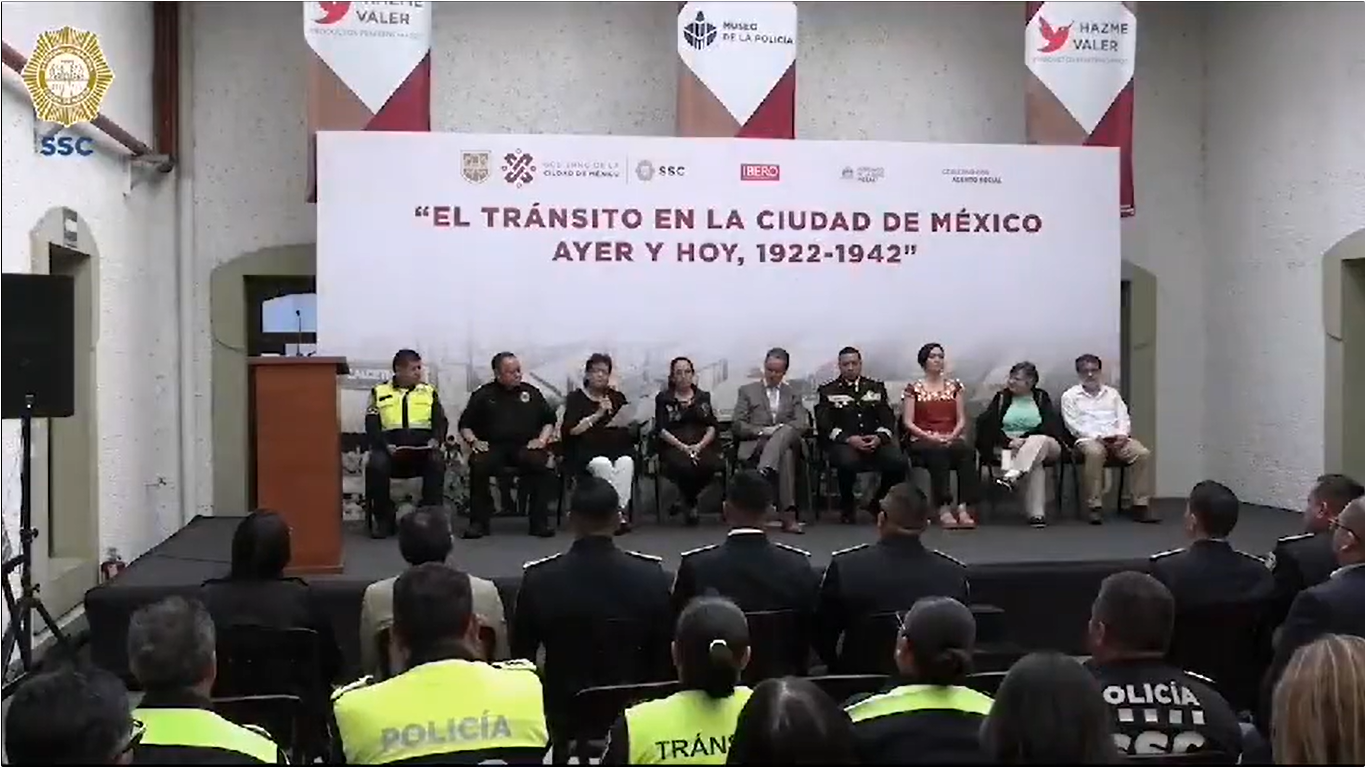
column 931, row 718
column 695, row 725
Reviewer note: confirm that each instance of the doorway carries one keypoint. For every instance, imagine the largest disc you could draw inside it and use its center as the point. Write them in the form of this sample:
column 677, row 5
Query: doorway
column 1353, row 360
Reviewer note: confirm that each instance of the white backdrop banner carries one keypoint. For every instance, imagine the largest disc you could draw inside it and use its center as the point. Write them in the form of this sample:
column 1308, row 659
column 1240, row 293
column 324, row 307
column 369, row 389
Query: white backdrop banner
column 555, row 247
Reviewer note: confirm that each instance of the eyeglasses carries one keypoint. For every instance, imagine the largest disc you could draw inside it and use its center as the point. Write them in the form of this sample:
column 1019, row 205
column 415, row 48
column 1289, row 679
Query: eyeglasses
column 135, row 735
column 1338, row 526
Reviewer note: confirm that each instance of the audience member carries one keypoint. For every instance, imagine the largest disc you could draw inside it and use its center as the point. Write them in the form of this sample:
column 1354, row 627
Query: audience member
column 405, row 425
column 507, row 425
column 875, row 580
column 1095, row 414
column 1022, row 426
column 789, row 721
column 768, row 423
column 933, row 414
column 592, row 441
column 1210, row 571
column 855, row 421
column 171, row 653
column 424, row 536
column 70, row 717
column 256, row 591
column 1157, row 708
column 695, row 725
column 686, row 428
column 1318, row 710
column 931, row 719
column 1306, row 559
column 445, row 706
column 1049, row 711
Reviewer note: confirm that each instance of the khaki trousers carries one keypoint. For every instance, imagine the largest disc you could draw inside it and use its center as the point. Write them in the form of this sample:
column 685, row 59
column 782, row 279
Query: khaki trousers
column 1028, row 461
column 1094, row 453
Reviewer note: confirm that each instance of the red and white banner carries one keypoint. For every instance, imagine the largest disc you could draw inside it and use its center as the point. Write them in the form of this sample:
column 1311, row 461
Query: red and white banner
column 738, row 69
column 370, row 69
column 1080, row 90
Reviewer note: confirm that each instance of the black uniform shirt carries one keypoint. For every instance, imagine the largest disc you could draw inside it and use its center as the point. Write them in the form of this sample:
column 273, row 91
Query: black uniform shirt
column 506, row 416
column 1158, row 709
column 848, row 408
column 1298, row 563
column 757, row 573
column 1211, row 572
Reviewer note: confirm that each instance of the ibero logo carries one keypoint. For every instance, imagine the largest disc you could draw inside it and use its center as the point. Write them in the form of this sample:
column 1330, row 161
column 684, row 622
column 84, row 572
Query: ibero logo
column 760, row 172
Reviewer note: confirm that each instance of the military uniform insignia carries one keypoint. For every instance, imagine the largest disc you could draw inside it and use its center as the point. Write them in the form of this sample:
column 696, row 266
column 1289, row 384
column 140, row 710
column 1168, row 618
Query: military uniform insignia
column 1270, row 560
column 519, row 665
column 1168, row 553
column 847, row 550
column 540, row 560
column 355, row 685
column 643, row 556
column 525, row 396
column 791, row 548
column 694, row 551
column 949, row 557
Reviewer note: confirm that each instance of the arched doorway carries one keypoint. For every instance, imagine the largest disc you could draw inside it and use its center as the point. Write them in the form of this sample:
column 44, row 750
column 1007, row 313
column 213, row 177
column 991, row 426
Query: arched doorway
column 1344, row 396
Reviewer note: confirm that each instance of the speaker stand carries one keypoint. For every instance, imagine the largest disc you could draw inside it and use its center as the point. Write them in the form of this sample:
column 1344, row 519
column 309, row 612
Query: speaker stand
column 19, row 634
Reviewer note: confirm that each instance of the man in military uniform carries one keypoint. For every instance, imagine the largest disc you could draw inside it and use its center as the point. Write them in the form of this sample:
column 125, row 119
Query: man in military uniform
column 854, row 419
column 884, row 578
column 506, row 425
column 404, row 426
column 1210, row 571
column 446, row 707
column 601, row 613
column 1304, row 560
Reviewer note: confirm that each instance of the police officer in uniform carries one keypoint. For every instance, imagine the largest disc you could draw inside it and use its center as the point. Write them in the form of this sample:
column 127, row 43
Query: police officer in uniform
column 445, row 708
column 695, row 725
column 1210, row 571
column 855, row 420
column 404, row 426
column 507, row 425
column 565, row 596
column 883, row 578
column 171, row 653
column 1304, row 560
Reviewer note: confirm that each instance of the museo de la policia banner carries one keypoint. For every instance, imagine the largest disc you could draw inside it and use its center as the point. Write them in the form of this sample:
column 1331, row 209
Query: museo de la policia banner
column 369, row 69
column 737, row 74
column 1080, row 87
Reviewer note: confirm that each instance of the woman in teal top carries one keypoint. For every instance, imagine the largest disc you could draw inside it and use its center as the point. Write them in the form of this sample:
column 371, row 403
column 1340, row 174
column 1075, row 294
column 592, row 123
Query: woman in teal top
column 1022, row 427
column 695, row 725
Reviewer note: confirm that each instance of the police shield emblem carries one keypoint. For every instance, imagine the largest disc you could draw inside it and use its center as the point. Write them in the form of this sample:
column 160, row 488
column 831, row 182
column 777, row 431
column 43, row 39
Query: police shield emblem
column 474, row 166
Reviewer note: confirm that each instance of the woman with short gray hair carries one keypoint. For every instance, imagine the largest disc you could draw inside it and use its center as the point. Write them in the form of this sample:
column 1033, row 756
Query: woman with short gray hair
column 1024, row 429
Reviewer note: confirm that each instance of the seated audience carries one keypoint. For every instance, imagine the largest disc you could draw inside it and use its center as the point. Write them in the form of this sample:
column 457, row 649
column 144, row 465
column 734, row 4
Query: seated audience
column 769, row 422
column 424, row 536
column 506, row 426
column 1306, row 559
column 590, row 443
column 855, row 420
column 1318, row 709
column 789, row 721
column 171, row 653
column 883, row 578
column 1157, row 708
column 70, row 717
column 1022, row 425
column 256, row 591
column 1095, row 414
column 445, row 707
column 685, row 427
column 1210, row 571
column 695, row 725
column 931, row 718
column 404, row 426
column 1048, row 712
column 934, row 417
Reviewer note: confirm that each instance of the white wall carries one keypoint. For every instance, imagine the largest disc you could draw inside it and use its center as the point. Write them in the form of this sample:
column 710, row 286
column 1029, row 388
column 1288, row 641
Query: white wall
column 1284, row 164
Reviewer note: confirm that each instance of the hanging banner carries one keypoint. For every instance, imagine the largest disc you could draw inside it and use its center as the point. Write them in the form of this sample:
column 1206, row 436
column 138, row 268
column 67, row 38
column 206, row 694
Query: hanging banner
column 369, row 69
column 1080, row 89
column 737, row 75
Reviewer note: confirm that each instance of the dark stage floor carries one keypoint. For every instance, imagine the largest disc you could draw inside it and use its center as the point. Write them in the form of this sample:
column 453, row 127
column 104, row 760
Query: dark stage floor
column 1044, row 579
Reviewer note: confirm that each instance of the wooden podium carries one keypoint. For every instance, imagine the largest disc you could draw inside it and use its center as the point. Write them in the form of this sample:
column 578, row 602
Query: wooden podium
column 297, row 448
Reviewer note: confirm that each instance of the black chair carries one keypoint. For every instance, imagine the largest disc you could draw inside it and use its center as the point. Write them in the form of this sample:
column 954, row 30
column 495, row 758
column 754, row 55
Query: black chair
column 280, row 715
column 989, row 460
column 868, row 646
column 807, row 482
column 266, row 661
column 1202, row 757
column 722, row 435
column 985, row 683
column 404, row 471
column 1229, row 644
column 841, row 688
column 779, row 643
column 595, row 709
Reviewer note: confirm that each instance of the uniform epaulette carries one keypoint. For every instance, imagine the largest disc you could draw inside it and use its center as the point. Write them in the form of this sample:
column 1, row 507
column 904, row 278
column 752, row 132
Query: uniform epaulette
column 1294, row 537
column 1168, row 553
column 258, row 730
column 355, row 685
column 791, row 548
column 1260, row 560
column 1201, row 678
column 644, row 556
column 540, row 560
column 847, row 550
column 695, row 550
column 949, row 557
column 516, row 664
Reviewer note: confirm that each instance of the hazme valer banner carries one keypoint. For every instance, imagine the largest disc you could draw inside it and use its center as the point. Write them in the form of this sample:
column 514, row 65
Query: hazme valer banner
column 555, row 247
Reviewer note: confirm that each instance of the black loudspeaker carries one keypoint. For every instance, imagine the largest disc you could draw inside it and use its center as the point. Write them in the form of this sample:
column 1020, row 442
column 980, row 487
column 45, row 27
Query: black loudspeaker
column 37, row 346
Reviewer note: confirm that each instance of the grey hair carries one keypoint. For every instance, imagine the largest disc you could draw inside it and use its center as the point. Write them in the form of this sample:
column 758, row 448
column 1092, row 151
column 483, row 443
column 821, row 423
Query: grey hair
column 171, row 644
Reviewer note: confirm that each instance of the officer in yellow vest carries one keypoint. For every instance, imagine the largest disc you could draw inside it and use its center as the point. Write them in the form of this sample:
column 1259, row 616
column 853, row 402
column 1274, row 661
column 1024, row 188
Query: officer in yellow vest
column 446, row 707
column 171, row 653
column 695, row 725
column 404, row 425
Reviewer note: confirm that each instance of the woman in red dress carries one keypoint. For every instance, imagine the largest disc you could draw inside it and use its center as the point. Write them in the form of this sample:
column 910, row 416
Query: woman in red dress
column 933, row 414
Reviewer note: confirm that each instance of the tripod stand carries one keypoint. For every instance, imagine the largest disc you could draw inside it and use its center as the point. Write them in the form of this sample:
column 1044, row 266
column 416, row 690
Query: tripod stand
column 19, row 634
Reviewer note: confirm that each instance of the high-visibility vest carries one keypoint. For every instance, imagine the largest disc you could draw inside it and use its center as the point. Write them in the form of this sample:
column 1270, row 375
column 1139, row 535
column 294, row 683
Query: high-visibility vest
column 468, row 710
column 687, row 728
column 194, row 730
column 400, row 408
column 909, row 698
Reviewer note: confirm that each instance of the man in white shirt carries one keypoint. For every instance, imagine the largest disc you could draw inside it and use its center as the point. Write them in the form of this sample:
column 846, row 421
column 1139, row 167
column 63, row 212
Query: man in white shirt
column 1097, row 417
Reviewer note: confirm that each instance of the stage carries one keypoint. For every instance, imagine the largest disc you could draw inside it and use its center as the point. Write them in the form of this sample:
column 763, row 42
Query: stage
column 1044, row 579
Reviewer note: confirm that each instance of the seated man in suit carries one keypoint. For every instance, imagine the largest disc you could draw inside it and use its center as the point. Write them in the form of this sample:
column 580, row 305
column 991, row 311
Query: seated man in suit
column 405, row 426
column 1306, row 559
column 855, row 418
column 424, row 537
column 768, row 422
column 1210, row 571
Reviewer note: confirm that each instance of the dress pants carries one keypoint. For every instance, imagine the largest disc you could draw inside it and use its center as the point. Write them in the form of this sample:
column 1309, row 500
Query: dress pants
column 620, row 474
column 381, row 467
column 1095, row 452
column 886, row 460
column 777, row 453
column 1027, row 461
column 939, row 460
column 691, row 477
column 535, row 481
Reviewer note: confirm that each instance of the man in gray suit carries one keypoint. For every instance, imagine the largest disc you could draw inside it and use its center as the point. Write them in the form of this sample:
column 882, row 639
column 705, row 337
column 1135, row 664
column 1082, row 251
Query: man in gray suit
column 424, row 536
column 769, row 421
